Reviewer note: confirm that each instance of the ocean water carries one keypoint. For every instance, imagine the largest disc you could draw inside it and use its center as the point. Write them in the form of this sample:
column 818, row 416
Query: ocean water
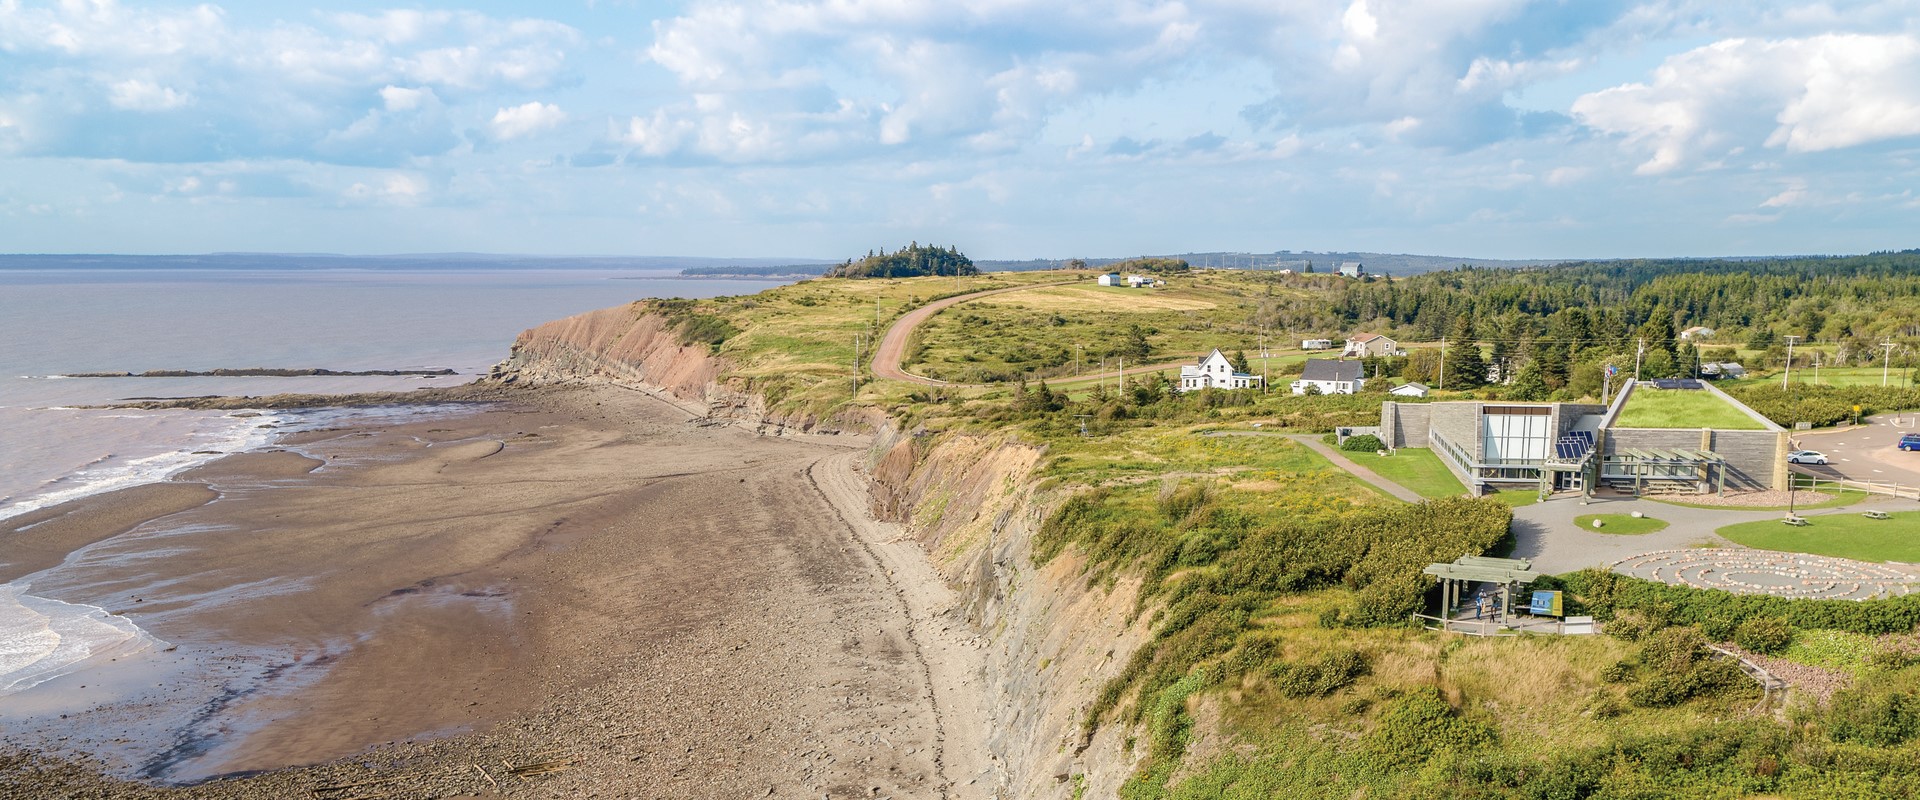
column 56, row 322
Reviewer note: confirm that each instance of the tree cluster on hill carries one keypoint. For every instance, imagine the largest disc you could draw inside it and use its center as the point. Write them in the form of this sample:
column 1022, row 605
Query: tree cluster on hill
column 1549, row 332
column 1160, row 266
column 913, row 261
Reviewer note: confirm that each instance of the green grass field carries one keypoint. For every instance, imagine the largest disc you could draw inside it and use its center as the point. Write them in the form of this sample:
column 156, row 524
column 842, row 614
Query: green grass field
column 1054, row 332
column 1839, row 535
column 1515, row 497
column 1619, row 524
column 1655, row 408
column 1416, row 468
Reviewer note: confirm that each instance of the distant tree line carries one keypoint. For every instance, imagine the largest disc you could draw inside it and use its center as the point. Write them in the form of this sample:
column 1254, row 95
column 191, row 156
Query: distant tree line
column 913, row 261
column 770, row 272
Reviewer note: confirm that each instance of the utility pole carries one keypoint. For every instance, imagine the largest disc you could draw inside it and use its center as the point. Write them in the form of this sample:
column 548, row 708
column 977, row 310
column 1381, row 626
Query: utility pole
column 1076, row 359
column 1641, row 350
column 1887, row 345
column 1123, row 373
column 1443, row 364
column 856, row 365
column 1784, row 376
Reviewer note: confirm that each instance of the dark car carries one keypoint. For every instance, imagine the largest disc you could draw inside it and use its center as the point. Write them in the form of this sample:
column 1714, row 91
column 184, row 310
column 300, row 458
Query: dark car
column 1910, row 441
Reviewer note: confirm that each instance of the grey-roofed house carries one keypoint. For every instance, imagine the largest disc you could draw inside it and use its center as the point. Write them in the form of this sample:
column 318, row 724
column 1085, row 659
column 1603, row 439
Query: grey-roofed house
column 1331, row 377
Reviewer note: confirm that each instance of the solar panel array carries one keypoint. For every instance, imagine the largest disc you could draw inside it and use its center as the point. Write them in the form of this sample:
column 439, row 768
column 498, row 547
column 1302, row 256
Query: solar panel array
column 1677, row 383
column 1573, row 446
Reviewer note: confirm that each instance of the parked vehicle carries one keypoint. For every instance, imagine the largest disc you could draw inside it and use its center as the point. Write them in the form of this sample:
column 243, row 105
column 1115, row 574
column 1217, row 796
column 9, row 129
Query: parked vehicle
column 1806, row 457
column 1910, row 441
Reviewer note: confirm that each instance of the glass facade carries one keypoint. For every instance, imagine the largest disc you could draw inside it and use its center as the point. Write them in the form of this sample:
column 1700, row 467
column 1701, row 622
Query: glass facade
column 1516, row 435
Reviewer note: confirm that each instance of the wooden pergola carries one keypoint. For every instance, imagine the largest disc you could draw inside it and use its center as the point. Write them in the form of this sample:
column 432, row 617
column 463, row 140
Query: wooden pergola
column 1702, row 467
column 1507, row 572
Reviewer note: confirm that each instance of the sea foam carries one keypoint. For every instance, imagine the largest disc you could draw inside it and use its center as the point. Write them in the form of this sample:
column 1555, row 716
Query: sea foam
column 42, row 639
column 197, row 437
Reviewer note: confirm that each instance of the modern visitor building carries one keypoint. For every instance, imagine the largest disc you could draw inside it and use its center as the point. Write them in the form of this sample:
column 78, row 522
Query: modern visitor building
column 1579, row 447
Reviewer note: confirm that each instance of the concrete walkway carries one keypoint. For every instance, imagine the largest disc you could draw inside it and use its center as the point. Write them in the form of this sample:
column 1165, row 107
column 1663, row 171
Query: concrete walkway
column 1546, row 534
column 1358, row 471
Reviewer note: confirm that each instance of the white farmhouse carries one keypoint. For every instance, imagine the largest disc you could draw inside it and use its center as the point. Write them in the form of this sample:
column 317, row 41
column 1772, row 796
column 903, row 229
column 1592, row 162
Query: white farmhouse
column 1216, row 372
column 1330, row 377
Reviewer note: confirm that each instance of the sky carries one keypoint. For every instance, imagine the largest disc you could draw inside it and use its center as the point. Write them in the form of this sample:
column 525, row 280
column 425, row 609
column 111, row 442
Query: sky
column 1009, row 128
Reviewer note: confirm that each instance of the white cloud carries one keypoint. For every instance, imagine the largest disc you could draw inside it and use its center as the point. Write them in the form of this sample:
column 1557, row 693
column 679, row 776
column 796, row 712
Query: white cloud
column 138, row 95
column 1799, row 95
column 398, row 98
column 771, row 80
column 523, row 120
column 1792, row 196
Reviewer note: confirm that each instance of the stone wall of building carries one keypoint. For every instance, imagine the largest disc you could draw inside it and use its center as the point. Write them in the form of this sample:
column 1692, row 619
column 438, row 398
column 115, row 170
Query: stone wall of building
column 1404, row 424
column 1752, row 457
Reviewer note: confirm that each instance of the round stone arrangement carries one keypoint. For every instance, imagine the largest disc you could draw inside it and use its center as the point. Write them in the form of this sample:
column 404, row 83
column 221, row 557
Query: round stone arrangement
column 1744, row 571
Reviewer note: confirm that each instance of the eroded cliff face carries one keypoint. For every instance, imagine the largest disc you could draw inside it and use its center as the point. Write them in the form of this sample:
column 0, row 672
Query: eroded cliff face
column 974, row 505
column 971, row 502
column 627, row 346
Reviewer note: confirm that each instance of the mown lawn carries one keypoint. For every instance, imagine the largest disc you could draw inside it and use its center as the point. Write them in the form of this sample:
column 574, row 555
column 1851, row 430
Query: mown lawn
column 1619, row 524
column 1678, row 408
column 1516, row 497
column 1839, row 535
column 1416, row 468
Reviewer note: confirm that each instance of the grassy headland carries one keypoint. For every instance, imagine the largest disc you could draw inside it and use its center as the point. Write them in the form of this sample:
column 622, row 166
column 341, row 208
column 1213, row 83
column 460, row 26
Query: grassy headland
column 1279, row 589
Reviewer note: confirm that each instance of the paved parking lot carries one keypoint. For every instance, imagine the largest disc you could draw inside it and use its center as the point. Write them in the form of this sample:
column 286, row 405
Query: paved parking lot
column 1865, row 452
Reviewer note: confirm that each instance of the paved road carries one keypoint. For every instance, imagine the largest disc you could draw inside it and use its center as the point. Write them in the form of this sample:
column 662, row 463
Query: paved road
column 886, row 360
column 1865, row 452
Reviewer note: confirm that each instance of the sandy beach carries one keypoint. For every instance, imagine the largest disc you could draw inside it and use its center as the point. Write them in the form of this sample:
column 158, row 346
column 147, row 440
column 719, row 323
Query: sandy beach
column 578, row 592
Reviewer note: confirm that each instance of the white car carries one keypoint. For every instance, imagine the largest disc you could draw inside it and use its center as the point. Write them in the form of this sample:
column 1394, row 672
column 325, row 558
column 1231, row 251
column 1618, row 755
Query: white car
column 1806, row 457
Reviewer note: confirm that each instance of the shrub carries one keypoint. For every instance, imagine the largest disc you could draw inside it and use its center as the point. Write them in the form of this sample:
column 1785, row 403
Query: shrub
column 1420, row 724
column 1873, row 716
column 1320, row 678
column 1765, row 635
column 1608, row 595
column 1364, row 443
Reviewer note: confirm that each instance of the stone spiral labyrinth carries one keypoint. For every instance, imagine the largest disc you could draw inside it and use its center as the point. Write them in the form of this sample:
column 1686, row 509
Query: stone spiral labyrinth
column 1779, row 574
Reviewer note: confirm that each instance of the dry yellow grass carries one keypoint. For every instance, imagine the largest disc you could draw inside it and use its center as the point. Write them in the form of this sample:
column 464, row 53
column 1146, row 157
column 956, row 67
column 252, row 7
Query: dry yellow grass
column 1081, row 298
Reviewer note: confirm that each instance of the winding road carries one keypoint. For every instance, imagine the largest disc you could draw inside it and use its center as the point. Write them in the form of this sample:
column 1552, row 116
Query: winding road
column 893, row 345
column 886, row 360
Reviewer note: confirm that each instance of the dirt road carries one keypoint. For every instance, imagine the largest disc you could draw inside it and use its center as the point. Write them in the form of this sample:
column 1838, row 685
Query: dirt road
column 886, row 360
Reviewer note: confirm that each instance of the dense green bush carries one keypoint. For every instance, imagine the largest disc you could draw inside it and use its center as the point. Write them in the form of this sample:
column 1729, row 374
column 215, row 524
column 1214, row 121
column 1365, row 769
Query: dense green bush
column 1379, row 551
column 1420, row 724
column 1823, row 405
column 1320, row 677
column 1764, row 635
column 1364, row 443
column 1873, row 716
column 1608, row 594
